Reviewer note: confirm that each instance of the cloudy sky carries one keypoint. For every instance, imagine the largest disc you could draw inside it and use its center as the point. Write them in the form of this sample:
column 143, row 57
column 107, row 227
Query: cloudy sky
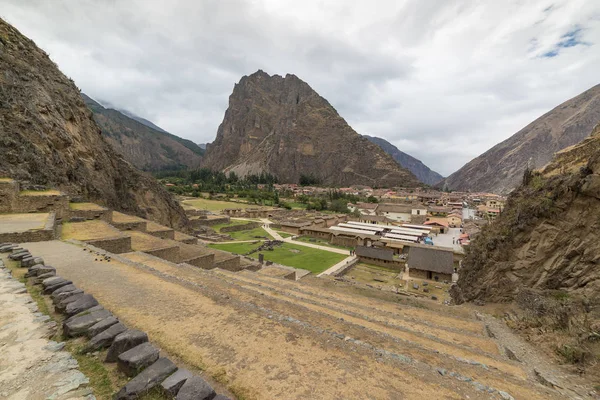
column 443, row 80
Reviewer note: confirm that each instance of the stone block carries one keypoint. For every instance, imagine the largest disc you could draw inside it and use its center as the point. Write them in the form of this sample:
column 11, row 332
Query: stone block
column 31, row 261
column 148, row 379
column 19, row 255
column 173, row 383
column 56, row 298
column 85, row 302
column 125, row 341
column 57, row 284
column 38, row 270
column 105, row 339
column 78, row 326
column 135, row 360
column 61, row 305
column 38, row 279
column 101, row 326
column 196, row 388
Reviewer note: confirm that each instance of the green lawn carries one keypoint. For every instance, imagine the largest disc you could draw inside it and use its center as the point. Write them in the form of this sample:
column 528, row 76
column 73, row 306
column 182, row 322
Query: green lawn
column 249, row 235
column 292, row 255
column 230, row 223
column 284, row 234
column 321, row 242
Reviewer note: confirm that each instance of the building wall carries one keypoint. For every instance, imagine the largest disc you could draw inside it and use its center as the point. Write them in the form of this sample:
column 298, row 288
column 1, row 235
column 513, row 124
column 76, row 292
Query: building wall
column 115, row 245
column 398, row 216
column 316, row 234
column 291, row 229
column 395, row 264
column 422, row 274
column 345, row 241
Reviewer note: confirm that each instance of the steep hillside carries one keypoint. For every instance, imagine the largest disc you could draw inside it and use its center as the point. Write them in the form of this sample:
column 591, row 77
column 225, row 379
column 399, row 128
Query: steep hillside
column 280, row 125
column 146, row 148
column 48, row 137
column 500, row 169
column 543, row 254
column 420, row 170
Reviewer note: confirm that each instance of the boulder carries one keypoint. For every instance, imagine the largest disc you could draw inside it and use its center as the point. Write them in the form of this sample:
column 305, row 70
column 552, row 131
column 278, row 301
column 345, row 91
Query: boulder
column 85, row 302
column 79, row 325
column 173, row 383
column 105, row 338
column 148, row 379
column 125, row 341
column 135, row 360
column 38, row 279
column 61, row 305
column 38, row 270
column 19, row 255
column 56, row 298
column 196, row 388
column 101, row 326
column 31, row 261
column 57, row 284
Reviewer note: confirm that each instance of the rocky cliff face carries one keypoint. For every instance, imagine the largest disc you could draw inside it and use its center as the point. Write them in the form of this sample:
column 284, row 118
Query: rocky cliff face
column 499, row 170
column 146, row 148
column 420, row 170
column 48, row 137
column 280, row 125
column 548, row 236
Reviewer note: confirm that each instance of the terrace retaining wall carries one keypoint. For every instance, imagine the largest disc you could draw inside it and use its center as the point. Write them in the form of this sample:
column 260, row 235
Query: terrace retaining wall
column 238, row 228
column 170, row 253
column 230, row 264
column 204, row 261
column 48, row 232
column 116, row 245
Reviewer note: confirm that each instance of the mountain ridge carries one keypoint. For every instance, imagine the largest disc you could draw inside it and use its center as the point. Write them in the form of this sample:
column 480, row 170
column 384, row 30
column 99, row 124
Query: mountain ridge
column 280, row 125
column 417, row 167
column 145, row 147
column 500, row 168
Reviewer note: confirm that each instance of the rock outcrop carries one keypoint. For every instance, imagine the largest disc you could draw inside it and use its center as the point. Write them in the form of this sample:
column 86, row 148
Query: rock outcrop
column 499, row 170
column 48, row 137
column 146, row 148
column 280, row 125
column 420, row 170
column 548, row 236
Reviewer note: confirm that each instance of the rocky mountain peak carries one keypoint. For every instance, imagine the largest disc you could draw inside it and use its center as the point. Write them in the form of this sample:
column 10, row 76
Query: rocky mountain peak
column 280, row 125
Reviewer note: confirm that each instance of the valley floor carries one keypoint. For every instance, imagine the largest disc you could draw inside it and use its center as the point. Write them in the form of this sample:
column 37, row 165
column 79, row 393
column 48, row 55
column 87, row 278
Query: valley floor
column 266, row 337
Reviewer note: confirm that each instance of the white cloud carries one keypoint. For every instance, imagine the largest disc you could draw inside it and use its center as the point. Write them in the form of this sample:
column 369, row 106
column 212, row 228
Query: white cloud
column 444, row 81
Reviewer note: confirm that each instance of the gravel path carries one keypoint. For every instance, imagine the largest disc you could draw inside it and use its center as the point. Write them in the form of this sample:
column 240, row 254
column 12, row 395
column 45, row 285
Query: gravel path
column 31, row 366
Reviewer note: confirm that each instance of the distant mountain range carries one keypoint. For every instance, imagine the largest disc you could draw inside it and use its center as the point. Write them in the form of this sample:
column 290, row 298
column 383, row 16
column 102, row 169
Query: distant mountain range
column 421, row 171
column 142, row 143
column 500, row 169
column 280, row 125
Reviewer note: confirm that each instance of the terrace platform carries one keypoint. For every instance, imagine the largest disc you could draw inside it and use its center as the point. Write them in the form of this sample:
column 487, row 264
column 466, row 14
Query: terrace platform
column 30, row 227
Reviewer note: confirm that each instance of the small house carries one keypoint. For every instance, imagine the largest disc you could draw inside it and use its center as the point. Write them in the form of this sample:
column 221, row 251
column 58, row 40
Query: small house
column 427, row 263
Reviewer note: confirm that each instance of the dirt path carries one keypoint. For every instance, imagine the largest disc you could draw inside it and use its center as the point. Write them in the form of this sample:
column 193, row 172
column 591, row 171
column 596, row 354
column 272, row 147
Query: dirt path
column 31, row 366
column 267, row 341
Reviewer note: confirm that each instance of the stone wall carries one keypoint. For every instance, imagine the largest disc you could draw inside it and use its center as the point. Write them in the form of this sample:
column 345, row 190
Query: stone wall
column 421, row 274
column 316, row 234
column 344, row 241
column 204, row 261
column 42, row 204
column 190, row 240
column 237, row 228
column 170, row 253
column 166, row 234
column 37, row 235
column 8, row 195
column 130, row 226
column 396, row 265
column 230, row 264
column 103, row 215
column 114, row 245
column 196, row 223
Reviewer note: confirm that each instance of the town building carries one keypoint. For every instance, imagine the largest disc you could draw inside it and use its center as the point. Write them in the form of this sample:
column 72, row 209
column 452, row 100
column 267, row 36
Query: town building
column 427, row 263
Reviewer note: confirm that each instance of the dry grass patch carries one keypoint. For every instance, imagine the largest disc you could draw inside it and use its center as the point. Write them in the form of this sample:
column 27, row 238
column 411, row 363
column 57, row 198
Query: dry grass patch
column 86, row 207
column 89, row 230
column 51, row 192
column 142, row 241
column 118, row 217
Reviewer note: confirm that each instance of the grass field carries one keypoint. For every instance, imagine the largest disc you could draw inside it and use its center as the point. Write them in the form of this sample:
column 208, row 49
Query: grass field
column 321, row 242
column 215, row 205
column 249, row 235
column 292, row 255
